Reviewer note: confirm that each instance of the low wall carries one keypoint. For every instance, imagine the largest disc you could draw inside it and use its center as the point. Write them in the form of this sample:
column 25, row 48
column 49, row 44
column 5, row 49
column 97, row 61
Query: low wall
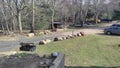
column 59, row 61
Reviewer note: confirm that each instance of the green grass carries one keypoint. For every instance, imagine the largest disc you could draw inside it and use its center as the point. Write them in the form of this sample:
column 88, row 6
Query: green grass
column 91, row 50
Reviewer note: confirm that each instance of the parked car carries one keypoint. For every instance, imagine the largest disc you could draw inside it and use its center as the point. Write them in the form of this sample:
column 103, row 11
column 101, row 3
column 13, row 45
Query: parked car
column 106, row 20
column 27, row 47
column 113, row 29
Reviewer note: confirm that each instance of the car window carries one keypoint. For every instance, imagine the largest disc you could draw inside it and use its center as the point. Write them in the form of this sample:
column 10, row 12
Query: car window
column 113, row 26
column 118, row 25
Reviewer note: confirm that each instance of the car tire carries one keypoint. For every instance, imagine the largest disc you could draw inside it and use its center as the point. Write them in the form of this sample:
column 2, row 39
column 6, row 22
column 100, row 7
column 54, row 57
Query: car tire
column 108, row 33
column 32, row 49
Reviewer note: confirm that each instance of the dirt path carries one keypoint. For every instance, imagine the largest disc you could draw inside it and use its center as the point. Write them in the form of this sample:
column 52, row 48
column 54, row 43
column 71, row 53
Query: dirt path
column 93, row 30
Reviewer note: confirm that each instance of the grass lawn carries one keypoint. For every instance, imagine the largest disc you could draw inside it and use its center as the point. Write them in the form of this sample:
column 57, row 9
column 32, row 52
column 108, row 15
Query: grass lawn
column 92, row 50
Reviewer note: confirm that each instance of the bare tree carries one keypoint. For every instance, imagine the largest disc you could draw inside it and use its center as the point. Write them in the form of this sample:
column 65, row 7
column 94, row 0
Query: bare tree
column 15, row 16
column 20, row 5
column 11, row 7
column 53, row 4
column 5, row 16
column 98, row 7
column 33, row 17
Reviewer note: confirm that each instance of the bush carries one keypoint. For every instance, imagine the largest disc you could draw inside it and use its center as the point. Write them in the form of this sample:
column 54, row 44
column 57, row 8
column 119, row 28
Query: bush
column 42, row 25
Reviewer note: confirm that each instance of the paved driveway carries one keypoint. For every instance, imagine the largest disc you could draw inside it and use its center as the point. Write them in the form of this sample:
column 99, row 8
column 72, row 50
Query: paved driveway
column 12, row 45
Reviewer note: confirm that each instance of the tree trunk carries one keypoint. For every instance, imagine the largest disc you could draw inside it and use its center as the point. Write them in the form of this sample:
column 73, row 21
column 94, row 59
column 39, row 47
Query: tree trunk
column 81, row 18
column 13, row 25
column 76, row 17
column 8, row 30
column 73, row 18
column 53, row 13
column 96, row 18
column 3, row 29
column 81, row 15
column 65, row 22
column 6, row 22
column 19, row 22
column 5, row 17
column 13, row 22
column 84, row 17
column 33, row 18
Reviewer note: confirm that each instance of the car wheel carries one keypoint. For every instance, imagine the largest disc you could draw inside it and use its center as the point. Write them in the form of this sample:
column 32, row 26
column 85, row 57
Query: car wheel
column 108, row 33
column 33, row 49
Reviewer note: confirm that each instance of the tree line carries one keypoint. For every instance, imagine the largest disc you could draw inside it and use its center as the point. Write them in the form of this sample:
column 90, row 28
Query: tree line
column 17, row 15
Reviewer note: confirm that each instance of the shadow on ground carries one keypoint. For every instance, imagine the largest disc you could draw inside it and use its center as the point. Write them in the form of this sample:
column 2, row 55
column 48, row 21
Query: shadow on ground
column 90, row 67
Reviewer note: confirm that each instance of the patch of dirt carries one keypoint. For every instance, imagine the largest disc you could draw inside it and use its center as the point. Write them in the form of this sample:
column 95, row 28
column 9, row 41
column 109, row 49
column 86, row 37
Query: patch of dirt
column 7, row 53
column 11, row 37
column 25, row 61
column 91, row 30
column 8, row 38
